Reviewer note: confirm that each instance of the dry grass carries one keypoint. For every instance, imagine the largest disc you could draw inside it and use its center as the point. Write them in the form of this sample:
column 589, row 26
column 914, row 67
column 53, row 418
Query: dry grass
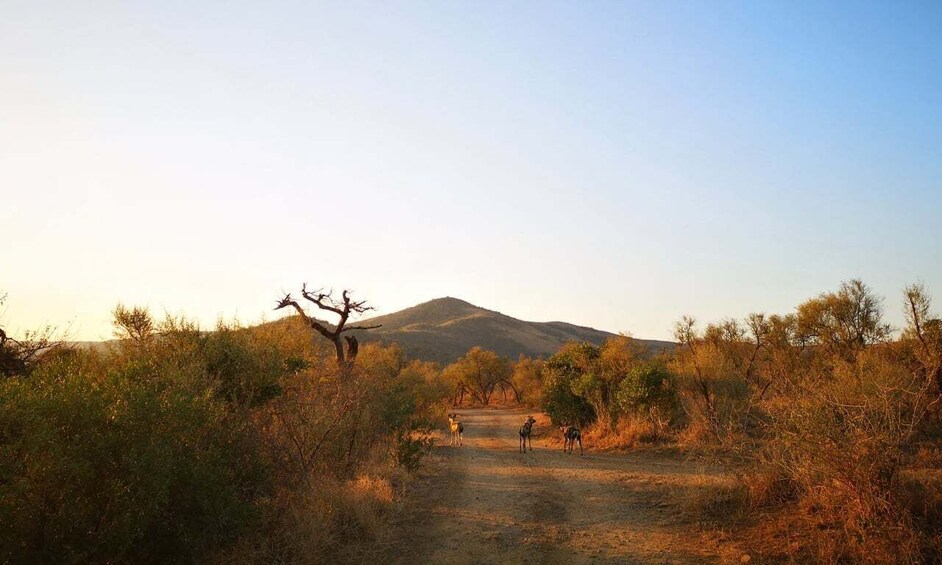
column 325, row 521
column 711, row 499
column 362, row 503
column 774, row 527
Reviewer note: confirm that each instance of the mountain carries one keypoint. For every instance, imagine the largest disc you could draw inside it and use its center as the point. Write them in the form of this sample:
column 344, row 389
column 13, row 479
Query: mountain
column 446, row 328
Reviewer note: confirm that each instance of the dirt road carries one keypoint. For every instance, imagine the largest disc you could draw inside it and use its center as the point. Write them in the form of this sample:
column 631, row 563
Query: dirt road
column 486, row 503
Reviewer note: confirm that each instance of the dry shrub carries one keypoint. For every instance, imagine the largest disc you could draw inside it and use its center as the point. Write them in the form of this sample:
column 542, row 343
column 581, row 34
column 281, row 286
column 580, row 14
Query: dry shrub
column 927, row 457
column 627, row 433
column 769, row 486
column 315, row 525
column 177, row 445
column 341, row 445
column 839, row 447
column 840, row 421
column 837, row 535
column 696, row 433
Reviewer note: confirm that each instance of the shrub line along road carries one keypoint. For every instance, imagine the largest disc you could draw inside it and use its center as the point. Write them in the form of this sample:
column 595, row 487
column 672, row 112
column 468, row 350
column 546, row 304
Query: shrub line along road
column 486, row 503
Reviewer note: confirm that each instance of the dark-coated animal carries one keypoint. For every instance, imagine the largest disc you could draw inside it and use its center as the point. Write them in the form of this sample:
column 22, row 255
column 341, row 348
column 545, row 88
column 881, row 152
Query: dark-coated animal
column 525, row 430
column 571, row 435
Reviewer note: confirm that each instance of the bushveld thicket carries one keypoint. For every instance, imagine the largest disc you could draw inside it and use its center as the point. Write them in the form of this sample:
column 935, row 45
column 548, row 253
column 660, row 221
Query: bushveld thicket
column 625, row 393
column 253, row 444
column 838, row 420
column 175, row 444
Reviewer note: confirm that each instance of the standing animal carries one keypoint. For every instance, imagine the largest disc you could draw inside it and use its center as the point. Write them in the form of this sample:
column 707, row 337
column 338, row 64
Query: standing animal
column 525, row 431
column 457, row 429
column 571, row 435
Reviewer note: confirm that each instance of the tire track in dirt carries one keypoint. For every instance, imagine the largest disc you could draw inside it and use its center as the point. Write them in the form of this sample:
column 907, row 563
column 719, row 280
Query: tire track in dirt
column 486, row 503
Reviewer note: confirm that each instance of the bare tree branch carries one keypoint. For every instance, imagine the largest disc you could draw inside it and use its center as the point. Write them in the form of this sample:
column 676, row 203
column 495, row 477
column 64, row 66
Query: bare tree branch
column 361, row 328
column 343, row 308
column 288, row 301
column 318, row 297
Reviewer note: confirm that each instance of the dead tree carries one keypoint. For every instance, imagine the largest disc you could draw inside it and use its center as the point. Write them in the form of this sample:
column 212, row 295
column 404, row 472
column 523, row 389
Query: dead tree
column 10, row 361
column 19, row 356
column 343, row 308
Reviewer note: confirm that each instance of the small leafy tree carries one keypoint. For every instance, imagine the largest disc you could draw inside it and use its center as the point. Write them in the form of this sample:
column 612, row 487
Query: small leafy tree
column 713, row 367
column 479, row 373
column 526, row 380
column 134, row 324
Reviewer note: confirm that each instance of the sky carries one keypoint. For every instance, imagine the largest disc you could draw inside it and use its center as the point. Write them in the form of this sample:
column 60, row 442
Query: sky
column 609, row 164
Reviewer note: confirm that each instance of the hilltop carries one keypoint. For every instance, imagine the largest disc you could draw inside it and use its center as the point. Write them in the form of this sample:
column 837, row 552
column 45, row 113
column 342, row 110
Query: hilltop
column 446, row 328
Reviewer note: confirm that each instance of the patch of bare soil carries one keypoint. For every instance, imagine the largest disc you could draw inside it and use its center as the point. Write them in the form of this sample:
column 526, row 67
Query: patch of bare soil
column 485, row 502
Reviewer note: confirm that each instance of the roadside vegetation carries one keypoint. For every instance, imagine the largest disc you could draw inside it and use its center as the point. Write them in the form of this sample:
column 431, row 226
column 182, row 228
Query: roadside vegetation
column 263, row 444
column 831, row 418
column 174, row 444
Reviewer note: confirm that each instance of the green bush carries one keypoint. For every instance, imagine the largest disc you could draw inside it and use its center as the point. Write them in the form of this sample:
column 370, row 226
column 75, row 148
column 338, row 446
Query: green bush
column 410, row 450
column 178, row 445
column 99, row 464
column 245, row 371
column 649, row 390
column 562, row 375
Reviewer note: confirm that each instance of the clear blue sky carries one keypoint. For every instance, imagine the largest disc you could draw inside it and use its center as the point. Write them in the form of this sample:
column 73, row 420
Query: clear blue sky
column 613, row 164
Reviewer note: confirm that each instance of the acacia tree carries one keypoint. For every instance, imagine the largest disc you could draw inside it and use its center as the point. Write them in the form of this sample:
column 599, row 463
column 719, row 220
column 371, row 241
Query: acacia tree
column 479, row 373
column 344, row 308
column 844, row 322
column 134, row 324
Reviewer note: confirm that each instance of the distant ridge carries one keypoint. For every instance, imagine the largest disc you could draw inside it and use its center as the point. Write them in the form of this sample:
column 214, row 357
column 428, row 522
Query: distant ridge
column 444, row 329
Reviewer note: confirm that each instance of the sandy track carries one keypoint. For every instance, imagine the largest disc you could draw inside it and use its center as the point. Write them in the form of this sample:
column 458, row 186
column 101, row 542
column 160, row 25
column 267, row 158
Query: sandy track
column 485, row 502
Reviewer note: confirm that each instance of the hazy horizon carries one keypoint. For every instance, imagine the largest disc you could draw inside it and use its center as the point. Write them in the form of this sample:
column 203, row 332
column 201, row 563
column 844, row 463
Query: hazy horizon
column 612, row 165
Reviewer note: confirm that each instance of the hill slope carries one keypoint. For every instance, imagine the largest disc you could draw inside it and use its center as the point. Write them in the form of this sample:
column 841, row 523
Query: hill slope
column 446, row 328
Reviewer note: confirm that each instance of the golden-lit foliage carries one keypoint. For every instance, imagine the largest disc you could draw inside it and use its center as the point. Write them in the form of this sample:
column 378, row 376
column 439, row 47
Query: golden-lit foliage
column 479, row 374
column 526, row 379
column 835, row 420
column 133, row 324
column 258, row 439
column 618, row 387
column 832, row 414
column 176, row 444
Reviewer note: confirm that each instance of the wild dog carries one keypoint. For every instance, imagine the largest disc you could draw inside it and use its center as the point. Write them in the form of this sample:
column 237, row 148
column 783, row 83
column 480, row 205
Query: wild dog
column 571, row 435
column 525, row 431
column 457, row 429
